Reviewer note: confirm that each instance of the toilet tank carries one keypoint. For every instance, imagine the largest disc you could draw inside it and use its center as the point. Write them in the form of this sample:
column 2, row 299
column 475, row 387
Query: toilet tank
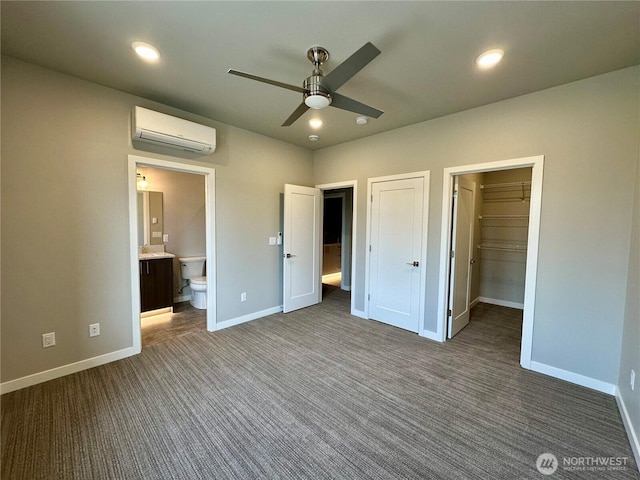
column 191, row 267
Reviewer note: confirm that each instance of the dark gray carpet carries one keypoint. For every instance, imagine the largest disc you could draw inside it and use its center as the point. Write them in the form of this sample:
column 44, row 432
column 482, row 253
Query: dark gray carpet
column 312, row 394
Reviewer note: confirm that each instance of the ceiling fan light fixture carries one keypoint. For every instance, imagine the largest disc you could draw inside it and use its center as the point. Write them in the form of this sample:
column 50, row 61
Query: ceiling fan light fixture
column 489, row 58
column 317, row 101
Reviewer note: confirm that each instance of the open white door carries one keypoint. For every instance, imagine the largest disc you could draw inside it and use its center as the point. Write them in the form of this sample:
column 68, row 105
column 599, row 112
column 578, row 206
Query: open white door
column 461, row 254
column 301, row 247
column 396, row 246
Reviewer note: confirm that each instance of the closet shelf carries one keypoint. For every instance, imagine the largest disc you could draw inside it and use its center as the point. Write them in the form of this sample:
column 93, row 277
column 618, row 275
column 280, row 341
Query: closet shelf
column 505, row 247
column 506, row 192
column 503, row 217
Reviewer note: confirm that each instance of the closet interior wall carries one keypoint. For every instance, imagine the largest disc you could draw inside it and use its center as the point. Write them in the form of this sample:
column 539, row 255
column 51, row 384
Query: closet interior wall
column 502, row 219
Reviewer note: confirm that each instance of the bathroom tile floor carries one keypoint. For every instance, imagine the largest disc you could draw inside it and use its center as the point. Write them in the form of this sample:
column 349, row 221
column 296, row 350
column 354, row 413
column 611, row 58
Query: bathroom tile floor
column 184, row 320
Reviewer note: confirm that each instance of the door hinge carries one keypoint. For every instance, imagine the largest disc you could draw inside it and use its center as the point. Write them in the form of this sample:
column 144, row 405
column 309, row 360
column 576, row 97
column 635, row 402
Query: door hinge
column 369, row 297
column 371, row 198
column 455, row 194
column 452, row 254
column 449, row 312
column 369, row 247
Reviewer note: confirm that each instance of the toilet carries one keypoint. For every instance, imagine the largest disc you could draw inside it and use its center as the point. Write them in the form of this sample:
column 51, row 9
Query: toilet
column 193, row 270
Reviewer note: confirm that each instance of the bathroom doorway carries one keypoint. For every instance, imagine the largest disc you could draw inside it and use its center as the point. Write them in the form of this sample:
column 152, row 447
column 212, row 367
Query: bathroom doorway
column 188, row 235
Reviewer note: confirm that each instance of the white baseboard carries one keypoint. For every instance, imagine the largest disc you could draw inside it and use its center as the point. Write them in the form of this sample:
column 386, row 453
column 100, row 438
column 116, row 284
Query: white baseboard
column 247, row 318
column 572, row 377
column 502, row 303
column 58, row 372
column 474, row 302
column 634, row 437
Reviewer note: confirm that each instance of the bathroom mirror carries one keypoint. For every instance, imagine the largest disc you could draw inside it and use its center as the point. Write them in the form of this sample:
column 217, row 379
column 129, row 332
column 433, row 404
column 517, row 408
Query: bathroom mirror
column 150, row 218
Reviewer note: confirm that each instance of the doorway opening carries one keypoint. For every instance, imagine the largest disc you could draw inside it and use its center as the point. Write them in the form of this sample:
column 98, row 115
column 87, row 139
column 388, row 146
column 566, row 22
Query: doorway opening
column 200, row 244
column 173, row 221
column 489, row 230
column 336, row 238
column 489, row 243
column 339, row 219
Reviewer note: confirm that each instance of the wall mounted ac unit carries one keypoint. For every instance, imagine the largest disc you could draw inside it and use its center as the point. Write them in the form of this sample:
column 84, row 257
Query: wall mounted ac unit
column 160, row 129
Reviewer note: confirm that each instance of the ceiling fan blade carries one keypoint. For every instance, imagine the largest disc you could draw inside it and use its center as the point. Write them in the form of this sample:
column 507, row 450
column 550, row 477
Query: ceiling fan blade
column 266, row 80
column 297, row 113
column 352, row 65
column 346, row 103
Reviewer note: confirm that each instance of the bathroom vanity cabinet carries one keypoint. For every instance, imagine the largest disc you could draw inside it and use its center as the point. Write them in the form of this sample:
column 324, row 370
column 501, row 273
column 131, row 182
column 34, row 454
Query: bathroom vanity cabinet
column 156, row 284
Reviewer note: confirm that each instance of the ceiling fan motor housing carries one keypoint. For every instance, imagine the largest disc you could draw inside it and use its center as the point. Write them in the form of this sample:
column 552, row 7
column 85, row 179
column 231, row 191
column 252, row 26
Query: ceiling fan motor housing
column 315, row 92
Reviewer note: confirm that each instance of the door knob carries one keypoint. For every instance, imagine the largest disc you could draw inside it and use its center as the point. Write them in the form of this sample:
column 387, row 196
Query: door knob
column 288, row 255
column 414, row 264
column 472, row 261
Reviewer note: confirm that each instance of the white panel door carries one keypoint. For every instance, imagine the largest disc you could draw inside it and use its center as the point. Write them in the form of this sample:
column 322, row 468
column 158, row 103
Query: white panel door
column 462, row 252
column 301, row 247
column 396, row 240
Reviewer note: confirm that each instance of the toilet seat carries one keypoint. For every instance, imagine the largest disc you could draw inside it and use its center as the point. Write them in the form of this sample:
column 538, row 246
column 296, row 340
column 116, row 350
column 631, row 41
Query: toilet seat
column 198, row 283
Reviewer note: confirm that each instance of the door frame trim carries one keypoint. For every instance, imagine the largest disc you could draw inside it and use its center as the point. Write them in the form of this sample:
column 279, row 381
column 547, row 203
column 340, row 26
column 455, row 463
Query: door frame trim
column 425, row 175
column 210, row 208
column 354, row 222
column 537, row 166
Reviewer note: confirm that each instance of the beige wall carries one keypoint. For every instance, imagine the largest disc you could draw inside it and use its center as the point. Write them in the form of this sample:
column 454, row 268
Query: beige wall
column 65, row 217
column 588, row 133
column 65, row 253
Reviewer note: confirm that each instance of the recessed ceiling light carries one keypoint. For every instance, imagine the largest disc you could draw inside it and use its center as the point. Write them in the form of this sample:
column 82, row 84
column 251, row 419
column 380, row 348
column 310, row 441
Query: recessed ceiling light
column 145, row 51
column 489, row 58
column 313, row 138
column 362, row 120
column 315, row 123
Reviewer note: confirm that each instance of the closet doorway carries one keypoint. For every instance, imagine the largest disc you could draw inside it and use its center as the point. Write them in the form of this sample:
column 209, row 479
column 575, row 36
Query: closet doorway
column 490, row 225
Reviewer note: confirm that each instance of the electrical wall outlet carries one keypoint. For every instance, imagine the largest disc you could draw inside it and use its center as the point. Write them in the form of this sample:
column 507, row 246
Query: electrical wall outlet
column 632, row 379
column 94, row 329
column 243, row 297
column 48, row 339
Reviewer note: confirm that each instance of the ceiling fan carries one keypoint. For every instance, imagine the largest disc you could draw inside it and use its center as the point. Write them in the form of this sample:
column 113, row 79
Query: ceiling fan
column 319, row 91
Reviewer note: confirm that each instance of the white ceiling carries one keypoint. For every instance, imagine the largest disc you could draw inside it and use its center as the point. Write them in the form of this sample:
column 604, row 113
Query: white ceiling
column 426, row 69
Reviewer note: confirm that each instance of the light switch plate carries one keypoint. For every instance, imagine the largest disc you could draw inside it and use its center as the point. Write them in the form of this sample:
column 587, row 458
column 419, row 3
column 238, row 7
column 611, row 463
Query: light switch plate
column 272, row 240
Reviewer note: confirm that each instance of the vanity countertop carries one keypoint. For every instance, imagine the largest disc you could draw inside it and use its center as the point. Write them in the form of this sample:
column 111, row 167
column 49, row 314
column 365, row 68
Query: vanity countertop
column 155, row 255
